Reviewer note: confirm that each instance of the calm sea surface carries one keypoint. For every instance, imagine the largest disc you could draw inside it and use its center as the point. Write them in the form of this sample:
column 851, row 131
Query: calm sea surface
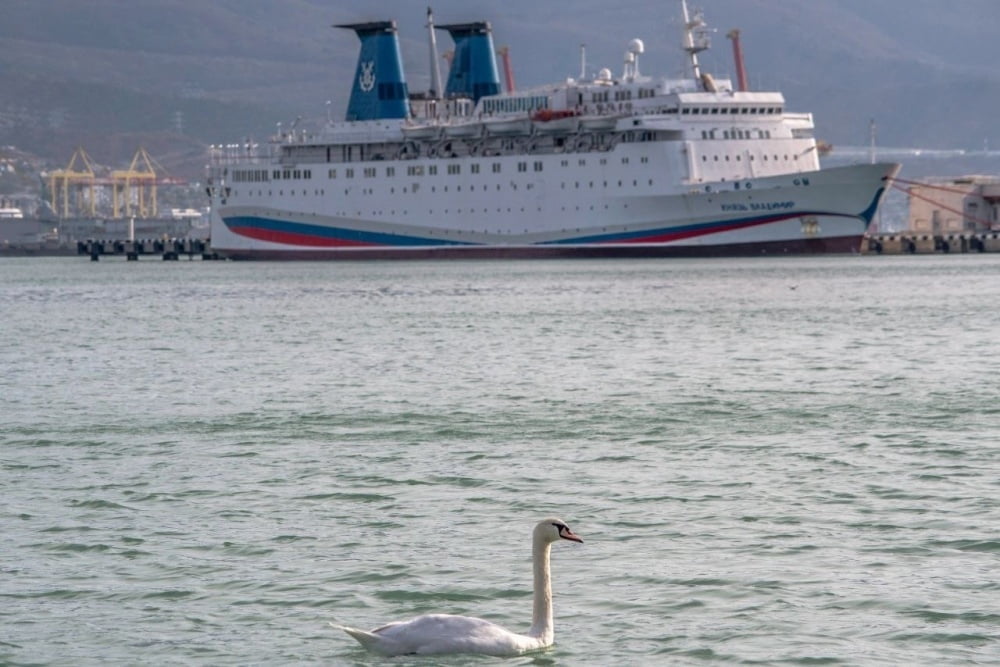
column 772, row 461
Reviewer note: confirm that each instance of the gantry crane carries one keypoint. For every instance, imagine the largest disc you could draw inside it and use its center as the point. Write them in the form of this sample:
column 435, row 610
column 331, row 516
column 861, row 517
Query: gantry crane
column 134, row 189
column 84, row 181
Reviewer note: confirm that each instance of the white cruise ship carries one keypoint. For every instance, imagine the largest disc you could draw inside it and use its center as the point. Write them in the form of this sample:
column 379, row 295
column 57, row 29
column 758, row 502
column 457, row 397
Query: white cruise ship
column 605, row 165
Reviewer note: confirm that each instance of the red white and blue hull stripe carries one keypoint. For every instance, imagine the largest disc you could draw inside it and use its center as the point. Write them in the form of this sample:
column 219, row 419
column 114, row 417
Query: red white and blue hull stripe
column 260, row 233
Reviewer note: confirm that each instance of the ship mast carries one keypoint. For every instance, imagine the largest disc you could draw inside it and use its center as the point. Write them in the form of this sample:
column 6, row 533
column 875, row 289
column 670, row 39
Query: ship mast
column 695, row 37
column 435, row 92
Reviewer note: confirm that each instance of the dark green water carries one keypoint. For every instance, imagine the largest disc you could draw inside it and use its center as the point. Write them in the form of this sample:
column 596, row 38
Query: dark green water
column 774, row 461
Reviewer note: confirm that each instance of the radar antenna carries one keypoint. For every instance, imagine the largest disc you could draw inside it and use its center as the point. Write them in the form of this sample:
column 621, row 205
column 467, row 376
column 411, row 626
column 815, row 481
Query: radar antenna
column 696, row 37
column 436, row 92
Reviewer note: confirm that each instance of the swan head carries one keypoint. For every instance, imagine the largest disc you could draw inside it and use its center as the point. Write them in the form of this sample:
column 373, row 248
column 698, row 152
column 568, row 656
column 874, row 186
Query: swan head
column 552, row 530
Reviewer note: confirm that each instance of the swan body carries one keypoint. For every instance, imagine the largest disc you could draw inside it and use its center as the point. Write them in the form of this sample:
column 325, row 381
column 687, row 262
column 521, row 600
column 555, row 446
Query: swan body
column 435, row 634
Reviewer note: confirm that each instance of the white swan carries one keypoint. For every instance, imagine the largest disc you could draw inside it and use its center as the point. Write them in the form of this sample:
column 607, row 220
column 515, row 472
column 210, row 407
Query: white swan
column 444, row 633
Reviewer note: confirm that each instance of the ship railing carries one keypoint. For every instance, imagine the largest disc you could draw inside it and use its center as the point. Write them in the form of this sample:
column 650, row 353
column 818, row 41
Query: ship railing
column 241, row 153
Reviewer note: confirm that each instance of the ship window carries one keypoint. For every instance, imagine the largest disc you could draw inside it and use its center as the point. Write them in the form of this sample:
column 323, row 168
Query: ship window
column 454, row 169
column 538, row 166
column 332, row 173
column 704, row 158
column 474, row 168
column 390, row 171
column 685, row 111
column 745, row 110
column 522, row 166
column 496, row 167
column 715, row 110
column 695, row 111
column 349, row 173
column 432, row 170
column 582, row 163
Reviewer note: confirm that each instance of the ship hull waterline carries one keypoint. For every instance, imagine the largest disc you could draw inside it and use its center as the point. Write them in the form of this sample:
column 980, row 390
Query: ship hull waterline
column 813, row 226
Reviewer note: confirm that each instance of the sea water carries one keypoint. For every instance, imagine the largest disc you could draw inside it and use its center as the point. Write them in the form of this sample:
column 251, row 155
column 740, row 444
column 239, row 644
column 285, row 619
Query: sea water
column 771, row 461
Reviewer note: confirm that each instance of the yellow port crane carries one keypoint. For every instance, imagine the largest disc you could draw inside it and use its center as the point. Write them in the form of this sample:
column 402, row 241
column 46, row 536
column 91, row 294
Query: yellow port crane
column 83, row 179
column 135, row 187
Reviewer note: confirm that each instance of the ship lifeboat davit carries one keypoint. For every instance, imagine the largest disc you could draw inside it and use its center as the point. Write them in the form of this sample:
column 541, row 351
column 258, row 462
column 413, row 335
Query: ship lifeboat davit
column 508, row 125
column 598, row 123
column 555, row 121
column 463, row 128
column 421, row 130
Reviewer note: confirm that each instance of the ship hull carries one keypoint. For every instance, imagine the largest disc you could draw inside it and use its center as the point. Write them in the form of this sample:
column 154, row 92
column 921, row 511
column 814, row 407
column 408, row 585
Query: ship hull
column 828, row 246
column 821, row 212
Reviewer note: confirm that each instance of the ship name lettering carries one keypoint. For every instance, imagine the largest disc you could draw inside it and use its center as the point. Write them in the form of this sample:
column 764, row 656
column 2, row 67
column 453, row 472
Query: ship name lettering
column 772, row 206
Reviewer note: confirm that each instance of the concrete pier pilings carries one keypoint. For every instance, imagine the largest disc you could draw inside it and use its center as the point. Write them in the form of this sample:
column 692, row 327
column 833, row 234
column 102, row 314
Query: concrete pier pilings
column 167, row 249
column 928, row 244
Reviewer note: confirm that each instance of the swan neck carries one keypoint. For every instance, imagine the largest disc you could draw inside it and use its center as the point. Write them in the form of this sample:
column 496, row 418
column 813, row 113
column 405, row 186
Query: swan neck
column 541, row 617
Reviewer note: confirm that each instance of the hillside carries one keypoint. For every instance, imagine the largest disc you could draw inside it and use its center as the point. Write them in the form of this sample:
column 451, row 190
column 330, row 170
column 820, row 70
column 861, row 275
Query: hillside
column 108, row 72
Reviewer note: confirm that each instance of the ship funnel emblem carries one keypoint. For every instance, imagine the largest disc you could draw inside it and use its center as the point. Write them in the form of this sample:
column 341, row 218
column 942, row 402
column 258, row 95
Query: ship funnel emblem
column 367, row 77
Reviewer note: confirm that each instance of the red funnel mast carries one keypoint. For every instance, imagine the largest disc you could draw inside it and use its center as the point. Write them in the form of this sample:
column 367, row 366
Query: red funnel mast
column 508, row 70
column 741, row 70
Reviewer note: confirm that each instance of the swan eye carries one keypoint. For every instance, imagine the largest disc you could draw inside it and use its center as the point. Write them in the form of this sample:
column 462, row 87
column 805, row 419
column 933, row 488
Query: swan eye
column 561, row 527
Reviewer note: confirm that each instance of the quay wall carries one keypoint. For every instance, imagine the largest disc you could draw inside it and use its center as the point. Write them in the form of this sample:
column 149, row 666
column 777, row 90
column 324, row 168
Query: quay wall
column 909, row 243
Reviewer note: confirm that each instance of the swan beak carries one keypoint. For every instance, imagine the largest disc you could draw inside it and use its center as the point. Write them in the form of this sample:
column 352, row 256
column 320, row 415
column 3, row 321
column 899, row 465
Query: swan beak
column 570, row 535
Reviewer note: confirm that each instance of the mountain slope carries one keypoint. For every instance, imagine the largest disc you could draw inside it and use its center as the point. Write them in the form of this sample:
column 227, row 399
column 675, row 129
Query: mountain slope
column 220, row 71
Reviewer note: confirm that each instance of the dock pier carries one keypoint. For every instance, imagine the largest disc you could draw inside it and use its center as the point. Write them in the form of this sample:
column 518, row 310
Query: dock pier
column 929, row 244
column 168, row 249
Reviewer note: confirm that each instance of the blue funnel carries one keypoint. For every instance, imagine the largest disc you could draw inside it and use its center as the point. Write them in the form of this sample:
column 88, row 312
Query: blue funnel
column 379, row 89
column 474, row 66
